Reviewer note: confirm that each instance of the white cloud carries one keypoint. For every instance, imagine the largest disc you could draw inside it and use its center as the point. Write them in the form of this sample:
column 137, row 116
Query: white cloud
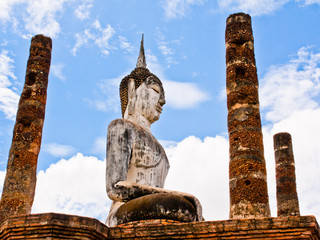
column 99, row 35
column 103, row 40
column 39, row 16
column 182, row 95
column 57, row 70
column 124, row 44
column 6, row 8
column 58, row 150
column 168, row 144
column 42, row 16
column 8, row 98
column 179, row 95
column 6, row 69
column 108, row 98
column 8, row 103
column 163, row 44
column 4, row 43
column 73, row 186
column 81, row 39
column 178, row 8
column 195, row 74
column 164, row 48
column 201, row 168
column 291, row 87
column 2, row 176
column 308, row 2
column 82, row 12
column 253, row 7
column 100, row 146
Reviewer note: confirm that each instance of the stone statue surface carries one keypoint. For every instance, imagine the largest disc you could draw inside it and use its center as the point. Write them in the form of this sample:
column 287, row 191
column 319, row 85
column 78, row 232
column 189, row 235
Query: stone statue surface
column 137, row 164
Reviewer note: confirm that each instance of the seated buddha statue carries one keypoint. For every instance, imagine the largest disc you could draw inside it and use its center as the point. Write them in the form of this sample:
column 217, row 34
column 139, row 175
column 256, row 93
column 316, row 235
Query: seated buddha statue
column 137, row 165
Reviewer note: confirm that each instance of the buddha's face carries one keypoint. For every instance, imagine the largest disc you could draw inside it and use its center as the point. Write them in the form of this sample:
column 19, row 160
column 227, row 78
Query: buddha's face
column 150, row 99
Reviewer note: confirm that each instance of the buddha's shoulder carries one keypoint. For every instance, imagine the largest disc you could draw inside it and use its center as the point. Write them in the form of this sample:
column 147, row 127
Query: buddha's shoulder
column 123, row 123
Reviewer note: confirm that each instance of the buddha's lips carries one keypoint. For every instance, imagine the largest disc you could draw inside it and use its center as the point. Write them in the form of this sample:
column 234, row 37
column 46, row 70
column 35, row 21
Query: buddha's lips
column 159, row 108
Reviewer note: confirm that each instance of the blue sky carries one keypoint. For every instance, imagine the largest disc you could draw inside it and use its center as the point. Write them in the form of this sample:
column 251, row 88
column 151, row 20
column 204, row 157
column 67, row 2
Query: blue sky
column 96, row 44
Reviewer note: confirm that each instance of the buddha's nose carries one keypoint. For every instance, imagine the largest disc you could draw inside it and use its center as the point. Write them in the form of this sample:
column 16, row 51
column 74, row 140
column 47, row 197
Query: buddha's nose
column 162, row 101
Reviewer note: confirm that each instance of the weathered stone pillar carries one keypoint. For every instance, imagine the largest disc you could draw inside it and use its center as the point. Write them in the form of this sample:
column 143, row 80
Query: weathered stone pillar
column 20, row 181
column 287, row 197
column 247, row 168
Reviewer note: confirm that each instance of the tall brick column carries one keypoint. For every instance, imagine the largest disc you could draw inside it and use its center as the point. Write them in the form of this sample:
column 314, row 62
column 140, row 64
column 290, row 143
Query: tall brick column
column 247, row 168
column 287, row 197
column 20, row 181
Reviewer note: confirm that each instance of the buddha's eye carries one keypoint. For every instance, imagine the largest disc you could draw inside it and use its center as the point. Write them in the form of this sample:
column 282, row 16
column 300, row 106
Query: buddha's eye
column 156, row 88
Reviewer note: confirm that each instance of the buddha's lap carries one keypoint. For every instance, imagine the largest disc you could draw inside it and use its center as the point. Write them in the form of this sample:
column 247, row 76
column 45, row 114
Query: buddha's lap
column 157, row 206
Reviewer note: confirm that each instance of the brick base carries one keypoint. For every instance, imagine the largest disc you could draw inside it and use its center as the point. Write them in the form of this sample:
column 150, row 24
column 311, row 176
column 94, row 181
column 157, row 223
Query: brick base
column 52, row 226
column 62, row 226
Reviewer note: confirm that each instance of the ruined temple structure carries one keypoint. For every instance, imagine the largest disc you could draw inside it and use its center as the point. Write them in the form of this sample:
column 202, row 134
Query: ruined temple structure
column 20, row 182
column 287, row 197
column 247, row 168
column 249, row 204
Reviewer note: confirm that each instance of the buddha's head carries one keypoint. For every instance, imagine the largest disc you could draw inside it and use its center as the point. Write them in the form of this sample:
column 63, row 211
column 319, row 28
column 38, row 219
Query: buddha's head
column 142, row 95
column 142, row 92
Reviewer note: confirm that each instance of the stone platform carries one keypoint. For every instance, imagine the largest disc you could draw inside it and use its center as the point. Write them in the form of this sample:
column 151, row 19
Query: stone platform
column 62, row 226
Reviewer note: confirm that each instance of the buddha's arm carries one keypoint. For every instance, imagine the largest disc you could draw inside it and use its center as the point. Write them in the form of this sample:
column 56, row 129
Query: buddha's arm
column 119, row 148
column 120, row 141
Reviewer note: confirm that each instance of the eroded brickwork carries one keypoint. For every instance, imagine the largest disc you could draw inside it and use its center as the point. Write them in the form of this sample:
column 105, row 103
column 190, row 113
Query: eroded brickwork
column 247, row 168
column 285, row 228
column 62, row 226
column 53, row 226
column 287, row 197
column 20, row 182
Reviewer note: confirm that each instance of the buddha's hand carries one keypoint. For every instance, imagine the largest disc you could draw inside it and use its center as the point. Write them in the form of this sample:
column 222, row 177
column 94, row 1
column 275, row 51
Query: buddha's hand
column 193, row 200
column 196, row 203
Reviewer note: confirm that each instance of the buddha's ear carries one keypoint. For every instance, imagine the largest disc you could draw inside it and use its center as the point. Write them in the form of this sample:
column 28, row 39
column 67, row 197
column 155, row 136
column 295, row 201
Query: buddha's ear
column 131, row 96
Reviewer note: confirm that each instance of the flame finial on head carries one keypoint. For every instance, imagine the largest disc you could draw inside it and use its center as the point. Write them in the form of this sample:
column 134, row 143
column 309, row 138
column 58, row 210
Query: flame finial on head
column 142, row 58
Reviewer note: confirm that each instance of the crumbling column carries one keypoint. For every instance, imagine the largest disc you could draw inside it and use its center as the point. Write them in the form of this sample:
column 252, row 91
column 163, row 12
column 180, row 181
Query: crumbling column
column 287, row 197
column 247, row 168
column 20, row 181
